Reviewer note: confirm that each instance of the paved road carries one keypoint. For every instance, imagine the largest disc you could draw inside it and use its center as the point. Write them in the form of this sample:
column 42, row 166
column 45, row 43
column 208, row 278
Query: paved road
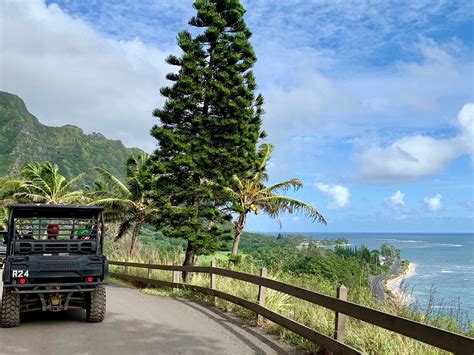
column 377, row 282
column 139, row 324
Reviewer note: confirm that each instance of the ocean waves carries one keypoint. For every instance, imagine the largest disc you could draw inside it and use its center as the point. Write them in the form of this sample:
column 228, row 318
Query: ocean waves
column 420, row 243
column 445, row 263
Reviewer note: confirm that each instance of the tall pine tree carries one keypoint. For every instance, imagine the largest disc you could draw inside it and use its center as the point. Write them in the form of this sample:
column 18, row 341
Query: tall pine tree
column 209, row 125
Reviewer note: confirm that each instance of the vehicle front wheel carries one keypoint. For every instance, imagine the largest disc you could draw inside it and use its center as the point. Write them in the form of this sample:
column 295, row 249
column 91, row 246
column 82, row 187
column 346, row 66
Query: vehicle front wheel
column 95, row 311
column 10, row 311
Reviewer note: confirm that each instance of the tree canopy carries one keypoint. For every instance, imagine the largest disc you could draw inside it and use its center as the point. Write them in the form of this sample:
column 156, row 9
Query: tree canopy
column 209, row 125
column 41, row 183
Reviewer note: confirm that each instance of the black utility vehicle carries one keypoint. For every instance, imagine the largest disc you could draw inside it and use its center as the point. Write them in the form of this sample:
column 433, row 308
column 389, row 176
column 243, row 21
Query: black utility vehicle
column 54, row 262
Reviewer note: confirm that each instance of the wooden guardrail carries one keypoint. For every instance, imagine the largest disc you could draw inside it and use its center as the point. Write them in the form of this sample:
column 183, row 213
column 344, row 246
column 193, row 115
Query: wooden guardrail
column 439, row 338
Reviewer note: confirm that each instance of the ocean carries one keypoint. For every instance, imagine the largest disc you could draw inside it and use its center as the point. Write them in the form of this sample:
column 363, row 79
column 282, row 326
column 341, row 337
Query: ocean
column 444, row 264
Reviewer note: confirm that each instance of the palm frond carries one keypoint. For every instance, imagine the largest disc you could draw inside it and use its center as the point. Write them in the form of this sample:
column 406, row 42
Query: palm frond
column 41, row 176
column 283, row 186
column 34, row 188
column 237, row 182
column 114, row 182
column 111, row 215
column 274, row 205
column 231, row 193
column 9, row 184
column 74, row 197
column 123, row 228
column 71, row 182
column 41, row 183
column 28, row 196
column 265, row 151
column 114, row 203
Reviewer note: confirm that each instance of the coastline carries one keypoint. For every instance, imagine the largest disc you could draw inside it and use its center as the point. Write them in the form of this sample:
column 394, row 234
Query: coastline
column 393, row 285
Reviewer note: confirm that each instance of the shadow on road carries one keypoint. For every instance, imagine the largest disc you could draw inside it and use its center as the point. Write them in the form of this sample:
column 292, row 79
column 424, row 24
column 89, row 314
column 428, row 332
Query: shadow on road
column 242, row 331
column 72, row 315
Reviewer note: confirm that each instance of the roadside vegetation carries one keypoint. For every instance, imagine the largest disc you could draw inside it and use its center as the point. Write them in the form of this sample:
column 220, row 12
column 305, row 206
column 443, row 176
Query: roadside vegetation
column 316, row 268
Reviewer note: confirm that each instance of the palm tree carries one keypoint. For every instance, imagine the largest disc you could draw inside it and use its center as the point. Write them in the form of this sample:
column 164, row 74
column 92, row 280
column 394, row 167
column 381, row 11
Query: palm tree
column 41, row 183
column 126, row 203
column 252, row 195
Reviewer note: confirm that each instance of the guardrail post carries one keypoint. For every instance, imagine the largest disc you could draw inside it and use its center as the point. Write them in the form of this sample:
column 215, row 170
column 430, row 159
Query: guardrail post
column 213, row 276
column 148, row 273
column 340, row 328
column 261, row 295
column 176, row 277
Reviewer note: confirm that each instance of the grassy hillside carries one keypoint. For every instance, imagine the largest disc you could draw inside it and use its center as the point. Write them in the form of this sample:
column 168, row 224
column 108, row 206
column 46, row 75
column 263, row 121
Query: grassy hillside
column 314, row 268
column 24, row 139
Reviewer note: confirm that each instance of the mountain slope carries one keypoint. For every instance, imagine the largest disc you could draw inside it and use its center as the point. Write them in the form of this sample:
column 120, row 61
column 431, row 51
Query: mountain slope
column 24, row 139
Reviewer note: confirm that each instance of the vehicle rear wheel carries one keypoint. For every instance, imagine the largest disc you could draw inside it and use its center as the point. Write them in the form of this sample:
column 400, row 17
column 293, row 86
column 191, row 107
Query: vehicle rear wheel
column 95, row 311
column 10, row 311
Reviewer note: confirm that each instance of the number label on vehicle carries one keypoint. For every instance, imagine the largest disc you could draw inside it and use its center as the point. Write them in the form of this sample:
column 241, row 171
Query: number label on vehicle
column 20, row 273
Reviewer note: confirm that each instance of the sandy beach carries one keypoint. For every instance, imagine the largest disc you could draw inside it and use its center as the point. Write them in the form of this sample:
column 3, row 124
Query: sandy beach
column 393, row 284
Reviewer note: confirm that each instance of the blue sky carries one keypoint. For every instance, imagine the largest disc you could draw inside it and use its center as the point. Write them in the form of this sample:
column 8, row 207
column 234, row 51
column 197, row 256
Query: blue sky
column 367, row 102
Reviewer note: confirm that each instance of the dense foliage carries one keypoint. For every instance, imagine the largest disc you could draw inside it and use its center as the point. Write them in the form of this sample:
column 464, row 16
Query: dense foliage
column 298, row 256
column 127, row 204
column 23, row 139
column 209, row 125
column 285, row 254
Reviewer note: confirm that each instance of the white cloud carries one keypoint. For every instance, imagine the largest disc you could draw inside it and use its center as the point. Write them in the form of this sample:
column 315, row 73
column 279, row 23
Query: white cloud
column 433, row 203
column 308, row 97
column 397, row 199
column 397, row 206
column 422, row 87
column 466, row 125
column 331, row 102
column 68, row 73
column 414, row 157
column 339, row 195
column 355, row 28
column 304, row 107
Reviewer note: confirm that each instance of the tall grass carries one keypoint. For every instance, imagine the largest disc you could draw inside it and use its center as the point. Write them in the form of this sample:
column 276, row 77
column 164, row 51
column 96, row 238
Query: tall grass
column 144, row 254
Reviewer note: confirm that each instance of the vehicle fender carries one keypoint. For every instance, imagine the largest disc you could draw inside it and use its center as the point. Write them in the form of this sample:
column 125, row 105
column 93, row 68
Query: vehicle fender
column 7, row 274
column 106, row 267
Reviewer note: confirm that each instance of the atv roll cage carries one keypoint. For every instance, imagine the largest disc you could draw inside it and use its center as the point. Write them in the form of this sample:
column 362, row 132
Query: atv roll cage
column 40, row 229
column 54, row 261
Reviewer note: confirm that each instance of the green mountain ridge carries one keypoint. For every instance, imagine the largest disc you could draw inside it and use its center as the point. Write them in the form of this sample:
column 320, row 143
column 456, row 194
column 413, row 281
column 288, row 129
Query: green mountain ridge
column 23, row 139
